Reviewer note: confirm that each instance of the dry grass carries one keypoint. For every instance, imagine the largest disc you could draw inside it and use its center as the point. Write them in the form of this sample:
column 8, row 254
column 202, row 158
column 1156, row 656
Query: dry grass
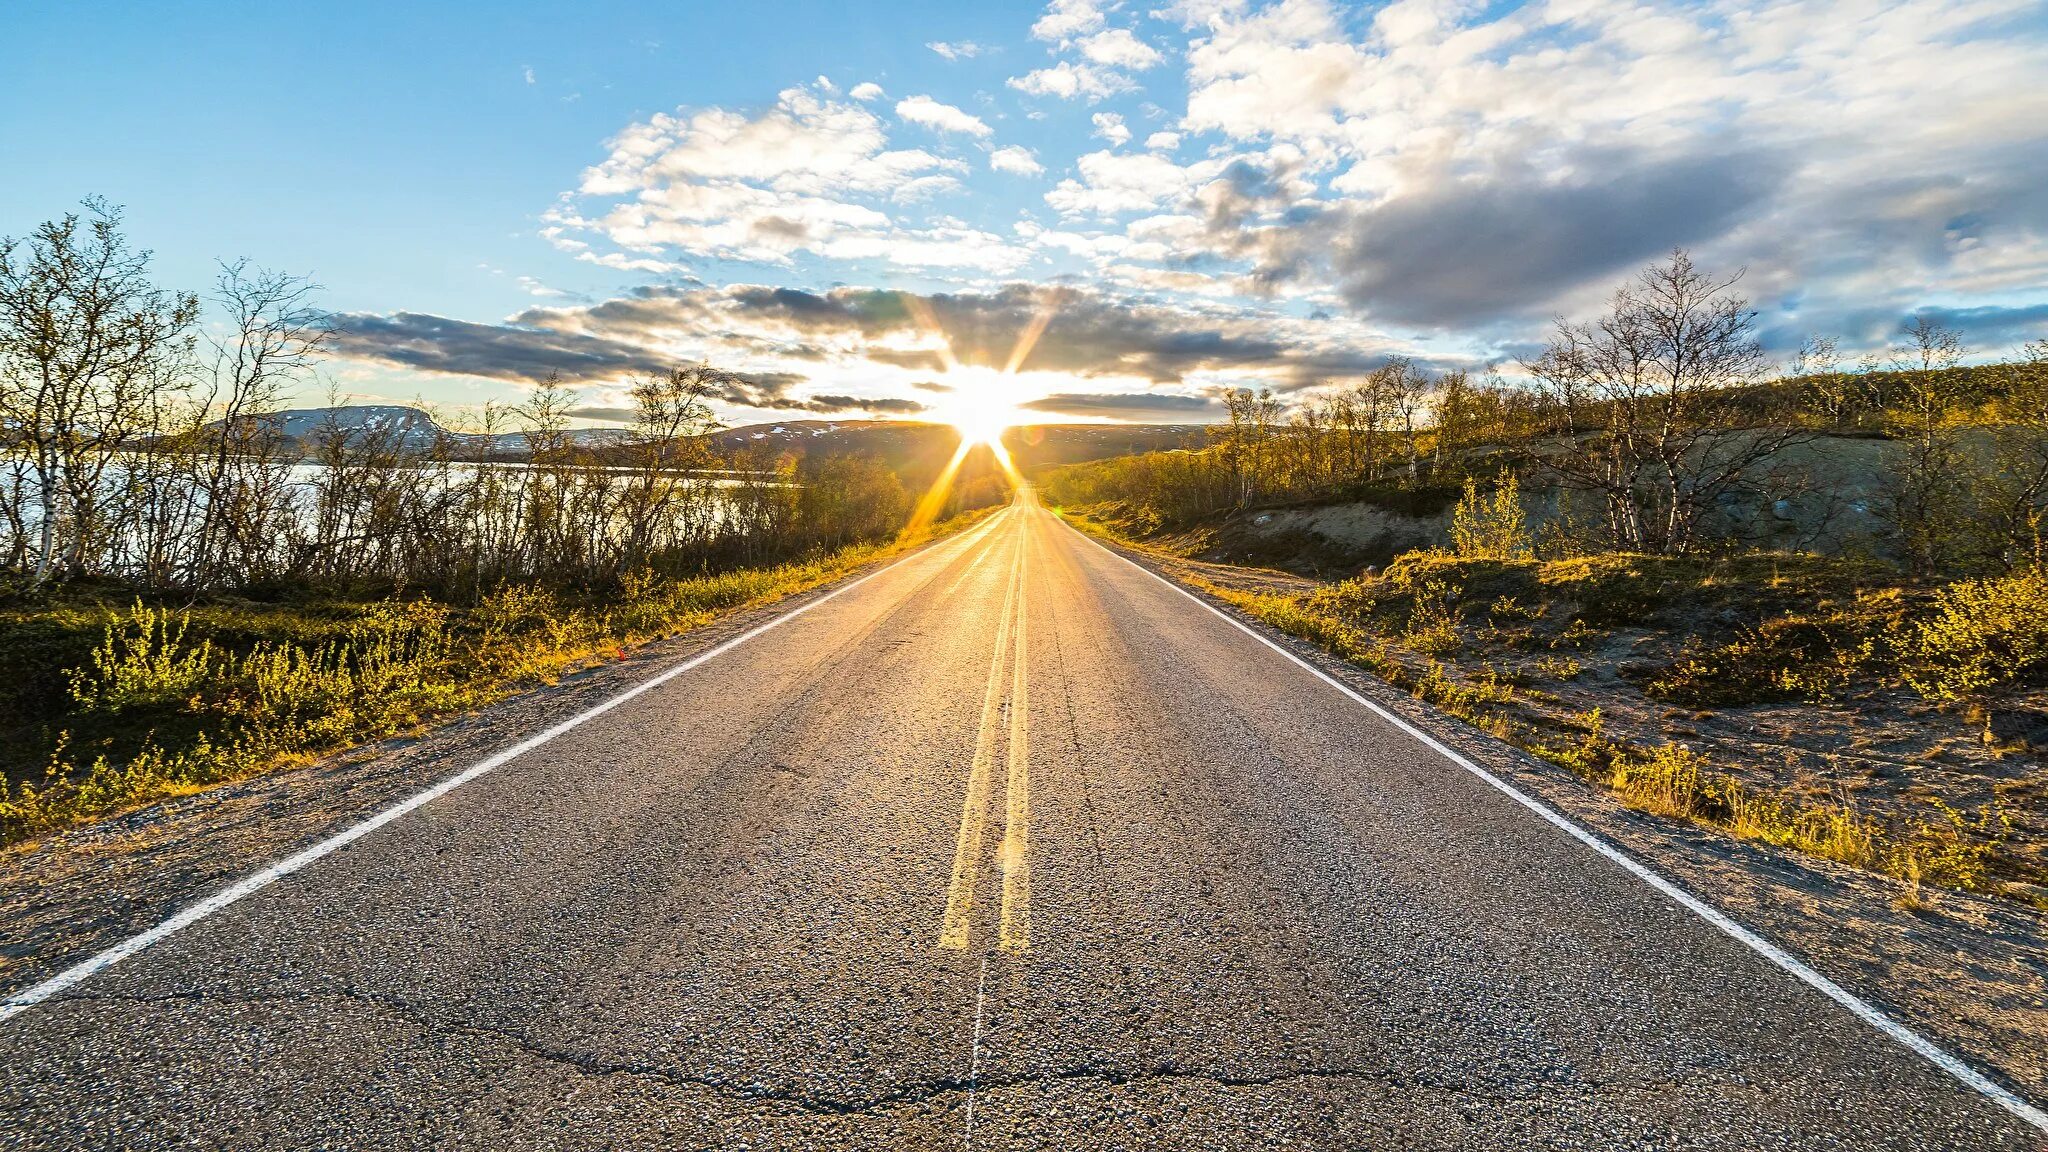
column 166, row 711
column 1428, row 623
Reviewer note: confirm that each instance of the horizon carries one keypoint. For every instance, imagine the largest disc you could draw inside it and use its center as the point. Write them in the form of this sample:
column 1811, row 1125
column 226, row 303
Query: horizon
column 1133, row 207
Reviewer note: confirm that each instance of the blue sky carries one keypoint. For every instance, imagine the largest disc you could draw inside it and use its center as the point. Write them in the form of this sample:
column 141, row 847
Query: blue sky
column 860, row 208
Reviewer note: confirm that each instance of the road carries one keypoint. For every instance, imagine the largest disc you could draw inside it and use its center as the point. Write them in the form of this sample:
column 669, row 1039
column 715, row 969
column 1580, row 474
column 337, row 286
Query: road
column 1008, row 846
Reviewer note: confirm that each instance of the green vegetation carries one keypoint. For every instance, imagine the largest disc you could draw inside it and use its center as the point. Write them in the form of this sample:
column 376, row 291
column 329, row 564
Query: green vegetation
column 188, row 594
column 158, row 700
column 1400, row 626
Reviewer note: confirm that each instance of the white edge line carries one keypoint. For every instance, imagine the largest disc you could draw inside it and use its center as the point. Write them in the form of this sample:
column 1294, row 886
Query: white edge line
column 186, row 917
column 1861, row 1008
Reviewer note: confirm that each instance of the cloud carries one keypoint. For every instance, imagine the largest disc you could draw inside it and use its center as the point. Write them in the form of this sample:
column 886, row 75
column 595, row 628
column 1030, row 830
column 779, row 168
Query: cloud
column 527, row 72
column 866, row 90
column 958, row 50
column 498, row 352
column 1163, row 141
column 1067, row 80
column 1112, row 182
column 894, row 406
column 1118, row 48
column 811, row 175
column 1886, row 155
column 1015, row 159
column 1110, row 126
column 1066, row 19
column 941, row 117
column 1468, row 252
column 1090, row 334
column 1122, row 405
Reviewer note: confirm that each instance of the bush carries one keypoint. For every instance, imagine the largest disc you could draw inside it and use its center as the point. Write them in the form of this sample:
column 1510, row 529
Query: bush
column 1784, row 658
column 1492, row 527
column 1619, row 587
column 1980, row 635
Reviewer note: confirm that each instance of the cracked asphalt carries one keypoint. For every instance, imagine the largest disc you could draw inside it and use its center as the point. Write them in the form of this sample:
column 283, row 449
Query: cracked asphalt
column 1011, row 846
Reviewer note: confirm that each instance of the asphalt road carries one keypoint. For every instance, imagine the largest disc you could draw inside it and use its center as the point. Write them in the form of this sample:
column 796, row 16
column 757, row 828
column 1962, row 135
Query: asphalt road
column 1010, row 846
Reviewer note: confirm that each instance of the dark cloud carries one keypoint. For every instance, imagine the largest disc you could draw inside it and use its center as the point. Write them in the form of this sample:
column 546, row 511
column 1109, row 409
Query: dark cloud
column 932, row 386
column 615, row 415
column 1122, row 404
column 1089, row 333
column 890, row 405
column 1085, row 333
column 1992, row 329
column 496, row 351
column 1469, row 251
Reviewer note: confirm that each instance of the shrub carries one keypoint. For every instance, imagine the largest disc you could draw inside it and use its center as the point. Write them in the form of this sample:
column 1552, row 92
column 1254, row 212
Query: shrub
column 1785, row 658
column 142, row 661
column 1979, row 635
column 1619, row 587
column 1492, row 527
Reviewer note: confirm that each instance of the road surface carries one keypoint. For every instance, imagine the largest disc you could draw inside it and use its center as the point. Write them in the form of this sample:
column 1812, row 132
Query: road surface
column 1009, row 846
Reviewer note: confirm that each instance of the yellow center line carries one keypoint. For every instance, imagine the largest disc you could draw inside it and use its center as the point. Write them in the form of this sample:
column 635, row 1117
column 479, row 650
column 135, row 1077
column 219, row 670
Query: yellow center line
column 1014, row 933
column 974, row 809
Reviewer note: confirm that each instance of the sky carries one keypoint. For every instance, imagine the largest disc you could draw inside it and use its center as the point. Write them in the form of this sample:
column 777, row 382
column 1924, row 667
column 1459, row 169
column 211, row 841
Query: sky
column 874, row 210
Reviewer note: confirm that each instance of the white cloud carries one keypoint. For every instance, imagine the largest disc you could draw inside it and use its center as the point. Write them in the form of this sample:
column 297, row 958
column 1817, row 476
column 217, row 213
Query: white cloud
column 719, row 183
column 1015, row 159
column 1066, row 19
column 1163, row 141
column 1118, row 48
column 535, row 288
column 1197, row 13
column 624, row 263
column 1110, row 126
column 1068, row 80
column 1113, row 182
column 941, row 117
column 527, row 72
column 957, row 50
column 868, row 90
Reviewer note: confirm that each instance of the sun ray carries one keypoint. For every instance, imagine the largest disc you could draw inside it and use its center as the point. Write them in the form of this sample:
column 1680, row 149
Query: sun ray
column 980, row 414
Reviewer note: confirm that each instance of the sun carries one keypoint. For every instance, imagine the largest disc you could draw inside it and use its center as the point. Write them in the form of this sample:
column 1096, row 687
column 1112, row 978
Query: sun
column 983, row 404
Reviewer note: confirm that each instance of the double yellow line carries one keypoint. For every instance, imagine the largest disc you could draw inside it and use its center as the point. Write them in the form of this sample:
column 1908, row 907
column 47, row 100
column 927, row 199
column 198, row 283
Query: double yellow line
column 1014, row 854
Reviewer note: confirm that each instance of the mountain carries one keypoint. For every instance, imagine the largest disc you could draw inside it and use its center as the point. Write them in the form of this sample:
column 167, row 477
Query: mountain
column 899, row 442
column 416, row 428
column 909, row 447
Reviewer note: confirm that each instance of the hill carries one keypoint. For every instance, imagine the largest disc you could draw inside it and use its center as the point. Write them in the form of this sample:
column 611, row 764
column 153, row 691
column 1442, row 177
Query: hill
column 908, row 447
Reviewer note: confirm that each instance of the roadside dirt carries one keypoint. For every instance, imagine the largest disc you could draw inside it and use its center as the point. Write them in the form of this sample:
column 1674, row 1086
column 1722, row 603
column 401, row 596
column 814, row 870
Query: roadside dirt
column 1969, row 971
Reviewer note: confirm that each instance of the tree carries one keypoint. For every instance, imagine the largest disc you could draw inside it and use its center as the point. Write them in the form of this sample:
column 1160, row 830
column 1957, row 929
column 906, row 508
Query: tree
column 1928, row 492
column 1245, row 442
column 1646, row 397
column 274, row 339
column 2022, row 458
column 88, row 349
column 672, row 415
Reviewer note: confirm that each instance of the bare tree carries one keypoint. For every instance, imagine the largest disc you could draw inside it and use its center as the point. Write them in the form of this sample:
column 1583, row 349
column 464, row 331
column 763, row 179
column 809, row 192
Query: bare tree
column 1928, row 491
column 274, row 338
column 672, row 416
column 1647, row 397
column 88, row 346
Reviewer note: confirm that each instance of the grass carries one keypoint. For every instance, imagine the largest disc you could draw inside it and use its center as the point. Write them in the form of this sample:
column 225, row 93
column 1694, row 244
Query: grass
column 168, row 701
column 1822, row 629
